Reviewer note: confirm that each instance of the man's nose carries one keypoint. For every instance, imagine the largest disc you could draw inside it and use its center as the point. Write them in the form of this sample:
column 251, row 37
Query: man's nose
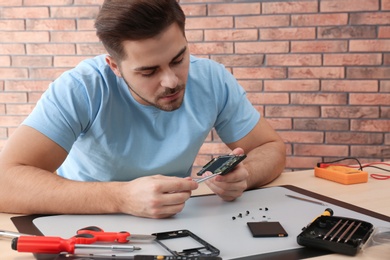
column 169, row 79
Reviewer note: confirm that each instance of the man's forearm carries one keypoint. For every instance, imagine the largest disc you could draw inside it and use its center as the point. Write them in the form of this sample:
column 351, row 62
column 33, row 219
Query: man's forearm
column 265, row 163
column 29, row 190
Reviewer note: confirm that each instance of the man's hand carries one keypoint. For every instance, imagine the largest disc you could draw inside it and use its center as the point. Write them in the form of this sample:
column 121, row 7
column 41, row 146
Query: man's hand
column 232, row 185
column 156, row 196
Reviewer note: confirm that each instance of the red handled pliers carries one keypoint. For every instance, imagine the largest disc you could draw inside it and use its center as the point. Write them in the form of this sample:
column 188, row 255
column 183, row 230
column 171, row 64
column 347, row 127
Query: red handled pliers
column 121, row 237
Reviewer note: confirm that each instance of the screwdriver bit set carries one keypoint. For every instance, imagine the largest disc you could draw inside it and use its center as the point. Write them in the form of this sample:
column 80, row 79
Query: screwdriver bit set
column 336, row 234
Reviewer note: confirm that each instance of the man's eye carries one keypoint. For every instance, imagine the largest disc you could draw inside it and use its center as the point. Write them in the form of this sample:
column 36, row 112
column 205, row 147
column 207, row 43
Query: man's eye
column 148, row 73
column 176, row 62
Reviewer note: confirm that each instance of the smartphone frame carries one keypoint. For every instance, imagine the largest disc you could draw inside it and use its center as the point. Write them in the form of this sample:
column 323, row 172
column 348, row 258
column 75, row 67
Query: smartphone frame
column 205, row 250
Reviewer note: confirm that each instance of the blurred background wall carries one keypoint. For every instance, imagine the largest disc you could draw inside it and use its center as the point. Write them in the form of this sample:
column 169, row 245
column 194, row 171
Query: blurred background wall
column 318, row 70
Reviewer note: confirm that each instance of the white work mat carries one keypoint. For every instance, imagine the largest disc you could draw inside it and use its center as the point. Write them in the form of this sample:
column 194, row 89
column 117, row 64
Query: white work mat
column 221, row 224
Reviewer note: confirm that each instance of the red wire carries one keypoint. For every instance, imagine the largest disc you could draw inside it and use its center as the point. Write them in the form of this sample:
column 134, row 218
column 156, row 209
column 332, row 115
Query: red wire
column 381, row 177
column 375, row 163
column 324, row 165
column 377, row 176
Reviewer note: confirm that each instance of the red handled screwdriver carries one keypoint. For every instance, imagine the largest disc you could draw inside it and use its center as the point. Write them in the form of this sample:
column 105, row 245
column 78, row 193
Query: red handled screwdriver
column 56, row 245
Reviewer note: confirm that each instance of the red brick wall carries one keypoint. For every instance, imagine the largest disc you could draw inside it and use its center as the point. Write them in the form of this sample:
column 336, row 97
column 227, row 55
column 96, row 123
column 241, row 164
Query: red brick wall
column 318, row 70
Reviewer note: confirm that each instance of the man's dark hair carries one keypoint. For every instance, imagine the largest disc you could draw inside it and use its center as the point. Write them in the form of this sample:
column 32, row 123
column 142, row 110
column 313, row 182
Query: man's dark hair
column 121, row 20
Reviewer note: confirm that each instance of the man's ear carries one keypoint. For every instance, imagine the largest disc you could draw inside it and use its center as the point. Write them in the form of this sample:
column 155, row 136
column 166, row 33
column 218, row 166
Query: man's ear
column 113, row 65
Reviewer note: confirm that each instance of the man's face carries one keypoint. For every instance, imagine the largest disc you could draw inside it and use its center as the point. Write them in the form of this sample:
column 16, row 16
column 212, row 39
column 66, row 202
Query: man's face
column 156, row 69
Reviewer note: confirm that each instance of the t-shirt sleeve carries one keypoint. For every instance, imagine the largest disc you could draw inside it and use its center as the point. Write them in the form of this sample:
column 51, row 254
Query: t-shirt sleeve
column 62, row 113
column 237, row 116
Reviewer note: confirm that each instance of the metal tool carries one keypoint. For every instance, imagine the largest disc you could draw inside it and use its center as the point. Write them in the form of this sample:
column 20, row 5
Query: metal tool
column 333, row 228
column 207, row 177
column 338, row 231
column 348, row 226
column 346, row 231
column 353, row 232
column 10, row 234
column 307, row 200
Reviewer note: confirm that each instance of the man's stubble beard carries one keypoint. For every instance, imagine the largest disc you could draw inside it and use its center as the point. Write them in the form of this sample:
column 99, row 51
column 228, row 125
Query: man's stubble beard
column 171, row 106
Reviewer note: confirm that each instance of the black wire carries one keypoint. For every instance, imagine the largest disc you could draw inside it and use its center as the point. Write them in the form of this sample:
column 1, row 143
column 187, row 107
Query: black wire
column 379, row 168
column 347, row 158
column 360, row 165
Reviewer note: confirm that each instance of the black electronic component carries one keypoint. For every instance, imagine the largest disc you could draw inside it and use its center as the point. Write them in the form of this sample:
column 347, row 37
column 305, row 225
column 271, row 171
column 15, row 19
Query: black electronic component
column 222, row 164
column 267, row 229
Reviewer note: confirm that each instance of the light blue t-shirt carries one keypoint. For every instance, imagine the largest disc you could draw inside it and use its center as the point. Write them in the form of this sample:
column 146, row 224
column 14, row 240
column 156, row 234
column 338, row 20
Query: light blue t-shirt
column 111, row 137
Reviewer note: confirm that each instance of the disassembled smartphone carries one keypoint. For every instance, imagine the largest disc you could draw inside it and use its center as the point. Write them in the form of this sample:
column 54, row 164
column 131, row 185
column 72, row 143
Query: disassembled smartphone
column 184, row 243
column 220, row 165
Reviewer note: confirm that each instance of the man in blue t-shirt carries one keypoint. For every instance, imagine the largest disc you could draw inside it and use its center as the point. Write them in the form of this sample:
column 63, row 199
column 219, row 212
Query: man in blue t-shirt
column 123, row 130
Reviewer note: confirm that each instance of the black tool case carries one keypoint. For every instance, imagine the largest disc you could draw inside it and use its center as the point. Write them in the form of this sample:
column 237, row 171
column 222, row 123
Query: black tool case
column 337, row 234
